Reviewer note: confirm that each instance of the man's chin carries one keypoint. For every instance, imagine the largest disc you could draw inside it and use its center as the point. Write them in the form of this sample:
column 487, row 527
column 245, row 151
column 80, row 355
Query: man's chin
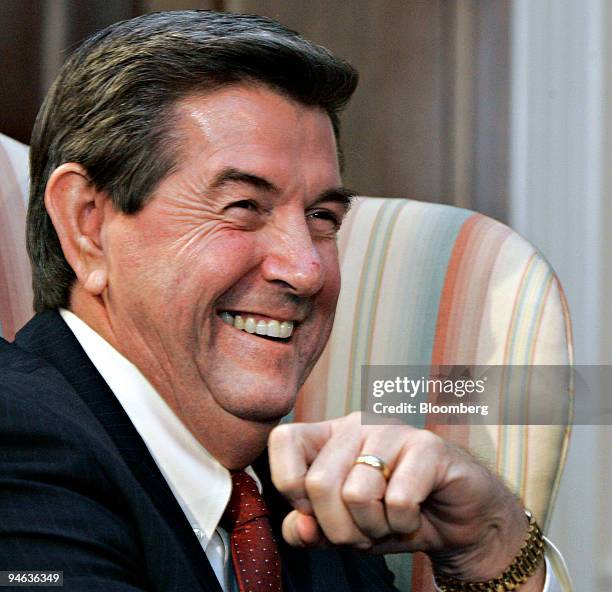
column 261, row 417
column 264, row 414
column 246, row 398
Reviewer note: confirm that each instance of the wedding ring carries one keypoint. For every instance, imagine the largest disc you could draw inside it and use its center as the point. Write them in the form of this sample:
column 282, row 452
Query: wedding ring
column 376, row 463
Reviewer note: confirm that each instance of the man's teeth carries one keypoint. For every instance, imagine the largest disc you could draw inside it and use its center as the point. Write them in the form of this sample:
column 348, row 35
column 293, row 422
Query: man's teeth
column 270, row 328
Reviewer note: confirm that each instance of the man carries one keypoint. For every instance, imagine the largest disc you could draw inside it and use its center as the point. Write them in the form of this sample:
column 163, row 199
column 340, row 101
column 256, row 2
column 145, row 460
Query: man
column 185, row 201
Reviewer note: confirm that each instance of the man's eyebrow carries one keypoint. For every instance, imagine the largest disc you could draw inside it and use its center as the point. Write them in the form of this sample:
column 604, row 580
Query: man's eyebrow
column 232, row 175
column 341, row 195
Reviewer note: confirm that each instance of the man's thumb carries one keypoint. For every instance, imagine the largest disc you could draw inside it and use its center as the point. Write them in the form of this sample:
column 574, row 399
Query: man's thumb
column 302, row 530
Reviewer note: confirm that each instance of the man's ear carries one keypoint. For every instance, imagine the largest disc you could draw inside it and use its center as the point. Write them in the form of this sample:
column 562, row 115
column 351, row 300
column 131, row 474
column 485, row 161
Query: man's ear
column 76, row 209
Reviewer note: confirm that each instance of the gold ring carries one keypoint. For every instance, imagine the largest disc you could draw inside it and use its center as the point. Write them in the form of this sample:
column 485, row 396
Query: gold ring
column 376, row 463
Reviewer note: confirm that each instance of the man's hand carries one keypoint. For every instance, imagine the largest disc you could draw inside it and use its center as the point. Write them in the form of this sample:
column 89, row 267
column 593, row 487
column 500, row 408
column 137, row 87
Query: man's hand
column 438, row 499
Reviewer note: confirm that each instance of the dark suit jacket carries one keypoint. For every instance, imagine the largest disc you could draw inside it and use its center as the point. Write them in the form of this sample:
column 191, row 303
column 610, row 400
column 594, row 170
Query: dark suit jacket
column 80, row 493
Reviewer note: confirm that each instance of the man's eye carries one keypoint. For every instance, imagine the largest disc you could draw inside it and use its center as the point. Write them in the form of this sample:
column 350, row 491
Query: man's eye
column 245, row 204
column 324, row 220
column 244, row 213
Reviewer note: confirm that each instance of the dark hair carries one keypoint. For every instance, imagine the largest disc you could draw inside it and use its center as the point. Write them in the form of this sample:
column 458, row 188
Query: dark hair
column 111, row 108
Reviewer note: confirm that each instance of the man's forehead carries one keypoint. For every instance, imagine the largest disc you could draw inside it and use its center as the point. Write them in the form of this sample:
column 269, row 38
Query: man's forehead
column 251, row 106
column 252, row 126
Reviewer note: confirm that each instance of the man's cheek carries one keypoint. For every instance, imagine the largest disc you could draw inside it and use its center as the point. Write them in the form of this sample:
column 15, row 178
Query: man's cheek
column 332, row 287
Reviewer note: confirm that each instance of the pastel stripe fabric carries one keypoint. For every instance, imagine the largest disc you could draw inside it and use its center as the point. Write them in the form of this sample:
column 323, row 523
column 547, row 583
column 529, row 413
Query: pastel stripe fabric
column 15, row 278
column 431, row 284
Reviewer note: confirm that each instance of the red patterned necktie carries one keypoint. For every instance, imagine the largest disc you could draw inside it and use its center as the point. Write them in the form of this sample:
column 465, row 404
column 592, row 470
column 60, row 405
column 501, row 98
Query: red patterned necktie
column 254, row 553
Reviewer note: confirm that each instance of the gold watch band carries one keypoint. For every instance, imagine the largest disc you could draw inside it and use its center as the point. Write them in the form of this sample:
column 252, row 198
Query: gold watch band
column 514, row 576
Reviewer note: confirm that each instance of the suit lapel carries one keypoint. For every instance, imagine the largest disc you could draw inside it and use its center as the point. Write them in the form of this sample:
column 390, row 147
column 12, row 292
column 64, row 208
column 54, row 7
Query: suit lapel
column 47, row 336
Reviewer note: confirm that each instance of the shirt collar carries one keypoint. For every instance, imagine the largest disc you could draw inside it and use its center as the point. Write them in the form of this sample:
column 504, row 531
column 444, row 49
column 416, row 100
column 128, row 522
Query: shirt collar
column 201, row 485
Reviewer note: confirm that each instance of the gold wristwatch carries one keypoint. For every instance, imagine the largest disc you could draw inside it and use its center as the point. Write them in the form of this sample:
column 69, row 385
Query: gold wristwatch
column 514, row 576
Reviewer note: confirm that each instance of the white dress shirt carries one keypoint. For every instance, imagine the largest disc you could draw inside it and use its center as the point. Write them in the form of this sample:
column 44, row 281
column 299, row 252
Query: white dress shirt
column 200, row 484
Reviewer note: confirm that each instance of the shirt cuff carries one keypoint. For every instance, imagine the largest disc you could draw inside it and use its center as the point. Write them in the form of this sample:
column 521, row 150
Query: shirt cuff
column 557, row 576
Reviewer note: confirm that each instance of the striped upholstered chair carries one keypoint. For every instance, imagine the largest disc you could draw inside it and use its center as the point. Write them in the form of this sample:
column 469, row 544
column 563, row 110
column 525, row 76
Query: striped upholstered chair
column 15, row 287
column 428, row 284
column 422, row 284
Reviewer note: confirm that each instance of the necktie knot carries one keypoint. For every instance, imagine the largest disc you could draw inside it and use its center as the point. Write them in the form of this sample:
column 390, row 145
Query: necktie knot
column 246, row 503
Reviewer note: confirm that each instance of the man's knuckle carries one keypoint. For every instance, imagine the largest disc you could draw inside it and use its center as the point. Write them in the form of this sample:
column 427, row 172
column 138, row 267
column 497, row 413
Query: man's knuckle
column 399, row 504
column 317, row 483
column 289, row 485
column 280, row 436
column 428, row 441
column 356, row 495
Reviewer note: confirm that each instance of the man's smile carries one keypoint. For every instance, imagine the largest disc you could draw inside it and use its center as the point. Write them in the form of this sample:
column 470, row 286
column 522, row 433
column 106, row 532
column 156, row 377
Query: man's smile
column 259, row 325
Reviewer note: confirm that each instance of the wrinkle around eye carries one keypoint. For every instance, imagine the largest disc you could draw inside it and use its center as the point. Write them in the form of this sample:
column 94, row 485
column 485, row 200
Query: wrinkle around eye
column 188, row 211
column 200, row 235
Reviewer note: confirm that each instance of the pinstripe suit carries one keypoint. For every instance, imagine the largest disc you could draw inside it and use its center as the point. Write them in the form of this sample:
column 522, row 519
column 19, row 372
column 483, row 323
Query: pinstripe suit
column 79, row 491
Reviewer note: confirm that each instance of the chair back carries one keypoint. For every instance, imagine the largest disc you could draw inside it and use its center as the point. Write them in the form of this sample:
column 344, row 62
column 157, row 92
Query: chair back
column 429, row 284
column 15, row 276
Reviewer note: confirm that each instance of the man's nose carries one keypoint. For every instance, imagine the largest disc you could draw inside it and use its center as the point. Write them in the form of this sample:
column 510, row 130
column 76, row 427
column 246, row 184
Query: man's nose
column 293, row 258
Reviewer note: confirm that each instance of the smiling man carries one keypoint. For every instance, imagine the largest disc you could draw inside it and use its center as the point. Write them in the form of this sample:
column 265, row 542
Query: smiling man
column 186, row 196
column 234, row 245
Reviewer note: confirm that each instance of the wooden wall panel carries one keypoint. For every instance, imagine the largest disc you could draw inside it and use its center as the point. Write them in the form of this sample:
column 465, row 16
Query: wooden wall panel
column 430, row 117
column 392, row 131
column 428, row 121
column 35, row 38
column 20, row 72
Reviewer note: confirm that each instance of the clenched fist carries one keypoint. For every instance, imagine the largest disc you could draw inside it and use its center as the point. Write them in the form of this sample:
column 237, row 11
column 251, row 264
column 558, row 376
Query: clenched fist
column 438, row 499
